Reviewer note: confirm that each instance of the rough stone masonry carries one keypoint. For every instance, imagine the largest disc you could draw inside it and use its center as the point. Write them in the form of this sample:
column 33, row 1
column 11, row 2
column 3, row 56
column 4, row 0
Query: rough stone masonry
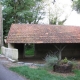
column 1, row 27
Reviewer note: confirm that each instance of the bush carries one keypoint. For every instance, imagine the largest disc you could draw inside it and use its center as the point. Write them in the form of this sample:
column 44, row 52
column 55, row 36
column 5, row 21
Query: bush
column 75, row 64
column 51, row 60
column 64, row 61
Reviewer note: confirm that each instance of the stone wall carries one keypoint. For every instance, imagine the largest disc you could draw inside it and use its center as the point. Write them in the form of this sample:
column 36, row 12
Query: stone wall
column 19, row 47
column 10, row 53
column 1, row 27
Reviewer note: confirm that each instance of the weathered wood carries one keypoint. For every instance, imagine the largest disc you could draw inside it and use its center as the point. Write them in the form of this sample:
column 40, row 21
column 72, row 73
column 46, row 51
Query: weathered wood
column 59, row 55
column 60, row 49
column 70, row 51
column 56, row 47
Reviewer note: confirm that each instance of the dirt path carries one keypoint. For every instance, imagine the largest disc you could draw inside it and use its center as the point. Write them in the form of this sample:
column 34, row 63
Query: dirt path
column 28, row 62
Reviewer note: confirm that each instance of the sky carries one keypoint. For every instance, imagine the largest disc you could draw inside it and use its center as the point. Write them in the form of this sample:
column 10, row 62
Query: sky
column 73, row 17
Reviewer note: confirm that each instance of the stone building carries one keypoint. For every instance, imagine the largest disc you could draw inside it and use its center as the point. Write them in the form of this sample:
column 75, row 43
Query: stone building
column 1, row 27
column 45, row 38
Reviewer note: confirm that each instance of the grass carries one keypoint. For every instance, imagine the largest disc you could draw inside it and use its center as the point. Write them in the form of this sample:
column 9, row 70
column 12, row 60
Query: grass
column 41, row 74
column 29, row 50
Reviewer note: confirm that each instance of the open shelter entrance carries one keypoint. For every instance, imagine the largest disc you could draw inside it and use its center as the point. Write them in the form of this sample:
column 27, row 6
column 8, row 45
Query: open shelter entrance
column 39, row 51
column 61, row 39
column 29, row 50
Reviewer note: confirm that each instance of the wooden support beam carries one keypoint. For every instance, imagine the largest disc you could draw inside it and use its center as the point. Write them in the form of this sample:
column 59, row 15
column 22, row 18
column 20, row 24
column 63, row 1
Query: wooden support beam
column 60, row 49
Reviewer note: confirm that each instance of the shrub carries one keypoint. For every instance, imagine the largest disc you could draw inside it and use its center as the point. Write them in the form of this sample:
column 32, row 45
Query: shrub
column 51, row 60
column 63, row 61
column 75, row 64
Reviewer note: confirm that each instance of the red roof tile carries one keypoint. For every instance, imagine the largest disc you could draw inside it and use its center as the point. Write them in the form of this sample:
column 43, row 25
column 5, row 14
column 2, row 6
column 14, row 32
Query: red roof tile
column 36, row 33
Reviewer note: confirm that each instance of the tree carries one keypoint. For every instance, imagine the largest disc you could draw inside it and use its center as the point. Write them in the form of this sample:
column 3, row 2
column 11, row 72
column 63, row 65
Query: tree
column 56, row 13
column 76, row 5
column 20, row 11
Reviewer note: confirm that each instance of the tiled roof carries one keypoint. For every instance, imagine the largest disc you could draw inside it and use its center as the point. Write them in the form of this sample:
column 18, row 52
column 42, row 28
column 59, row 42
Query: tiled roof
column 36, row 33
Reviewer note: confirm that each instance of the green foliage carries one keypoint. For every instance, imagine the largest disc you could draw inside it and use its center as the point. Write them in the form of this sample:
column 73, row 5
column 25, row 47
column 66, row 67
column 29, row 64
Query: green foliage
column 40, row 74
column 51, row 59
column 29, row 50
column 64, row 61
column 67, row 62
column 56, row 11
column 54, row 21
column 76, row 5
column 74, row 63
column 21, row 11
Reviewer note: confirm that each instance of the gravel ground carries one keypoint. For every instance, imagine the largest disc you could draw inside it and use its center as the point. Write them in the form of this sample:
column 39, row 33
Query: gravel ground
column 8, row 63
column 32, row 63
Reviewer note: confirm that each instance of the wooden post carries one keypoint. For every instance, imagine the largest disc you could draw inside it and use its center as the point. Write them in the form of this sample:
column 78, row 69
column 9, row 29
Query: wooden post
column 60, row 56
